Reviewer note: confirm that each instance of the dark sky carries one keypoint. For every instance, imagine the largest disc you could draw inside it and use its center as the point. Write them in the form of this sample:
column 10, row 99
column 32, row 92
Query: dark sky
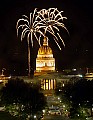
column 78, row 51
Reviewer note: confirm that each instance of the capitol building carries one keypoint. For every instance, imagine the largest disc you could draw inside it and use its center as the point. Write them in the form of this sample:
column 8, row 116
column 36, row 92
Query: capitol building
column 45, row 69
column 45, row 60
column 45, row 63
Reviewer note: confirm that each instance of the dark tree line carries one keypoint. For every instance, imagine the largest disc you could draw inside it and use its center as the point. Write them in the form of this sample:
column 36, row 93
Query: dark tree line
column 22, row 99
column 79, row 94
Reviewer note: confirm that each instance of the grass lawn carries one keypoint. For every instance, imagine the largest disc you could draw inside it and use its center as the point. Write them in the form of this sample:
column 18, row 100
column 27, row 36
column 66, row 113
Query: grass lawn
column 6, row 116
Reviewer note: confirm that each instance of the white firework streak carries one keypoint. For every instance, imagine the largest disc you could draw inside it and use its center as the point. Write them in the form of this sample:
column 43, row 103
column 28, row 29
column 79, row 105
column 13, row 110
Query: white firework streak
column 61, row 25
column 22, row 19
column 55, row 13
column 61, row 39
column 57, row 44
column 39, row 39
column 21, row 26
column 30, row 26
column 24, row 32
column 42, row 13
column 50, row 20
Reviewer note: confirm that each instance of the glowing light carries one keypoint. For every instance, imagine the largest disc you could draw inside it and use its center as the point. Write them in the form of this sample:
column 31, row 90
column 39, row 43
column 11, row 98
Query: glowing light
column 63, row 105
column 58, row 98
column 79, row 75
column 63, row 84
column 0, row 80
column 43, row 111
column 34, row 116
column 74, row 69
column 60, row 90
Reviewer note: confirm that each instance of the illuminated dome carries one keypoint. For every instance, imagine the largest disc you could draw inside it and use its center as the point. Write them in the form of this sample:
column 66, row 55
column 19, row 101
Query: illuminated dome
column 44, row 50
column 45, row 60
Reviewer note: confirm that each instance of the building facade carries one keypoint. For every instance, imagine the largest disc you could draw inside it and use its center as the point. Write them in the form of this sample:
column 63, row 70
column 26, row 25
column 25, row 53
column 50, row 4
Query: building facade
column 45, row 60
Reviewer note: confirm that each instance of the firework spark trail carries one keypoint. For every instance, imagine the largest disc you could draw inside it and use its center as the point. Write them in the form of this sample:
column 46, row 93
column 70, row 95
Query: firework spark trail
column 50, row 20
column 30, row 26
column 61, row 39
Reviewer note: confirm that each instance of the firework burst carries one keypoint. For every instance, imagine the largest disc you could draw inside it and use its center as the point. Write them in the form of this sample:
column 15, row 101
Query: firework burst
column 51, row 20
column 30, row 27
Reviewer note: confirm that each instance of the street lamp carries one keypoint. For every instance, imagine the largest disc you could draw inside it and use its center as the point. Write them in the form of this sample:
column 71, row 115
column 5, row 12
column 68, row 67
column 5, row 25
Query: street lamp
column 63, row 106
column 34, row 116
column 63, row 85
column 58, row 98
column 43, row 111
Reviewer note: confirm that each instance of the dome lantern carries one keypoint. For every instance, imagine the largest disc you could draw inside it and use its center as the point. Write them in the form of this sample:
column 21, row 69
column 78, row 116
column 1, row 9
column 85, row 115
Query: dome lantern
column 45, row 41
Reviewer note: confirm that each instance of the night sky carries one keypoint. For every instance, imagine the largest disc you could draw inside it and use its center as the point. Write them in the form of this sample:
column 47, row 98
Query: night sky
column 78, row 52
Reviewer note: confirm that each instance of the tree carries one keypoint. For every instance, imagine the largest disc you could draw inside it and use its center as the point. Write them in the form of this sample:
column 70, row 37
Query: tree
column 22, row 99
column 79, row 94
